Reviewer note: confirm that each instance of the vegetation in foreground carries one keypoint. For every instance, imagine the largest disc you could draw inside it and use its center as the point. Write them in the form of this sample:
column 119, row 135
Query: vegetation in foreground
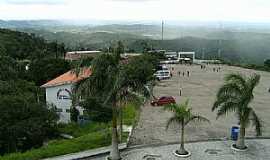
column 182, row 116
column 114, row 83
column 235, row 96
column 22, row 73
column 89, row 136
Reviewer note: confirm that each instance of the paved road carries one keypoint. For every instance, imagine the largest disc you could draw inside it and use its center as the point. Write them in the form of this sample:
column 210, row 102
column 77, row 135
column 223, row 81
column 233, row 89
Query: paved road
column 200, row 88
column 219, row 150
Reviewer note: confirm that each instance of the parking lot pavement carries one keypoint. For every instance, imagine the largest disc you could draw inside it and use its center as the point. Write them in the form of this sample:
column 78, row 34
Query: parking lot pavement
column 216, row 150
column 200, row 88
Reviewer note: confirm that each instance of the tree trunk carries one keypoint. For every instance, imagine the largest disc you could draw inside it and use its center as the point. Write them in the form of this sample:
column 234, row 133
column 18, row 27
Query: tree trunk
column 121, row 124
column 182, row 150
column 240, row 144
column 114, row 154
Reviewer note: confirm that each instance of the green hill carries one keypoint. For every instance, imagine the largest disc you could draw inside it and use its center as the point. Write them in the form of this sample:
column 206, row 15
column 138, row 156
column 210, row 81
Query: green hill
column 19, row 45
column 241, row 44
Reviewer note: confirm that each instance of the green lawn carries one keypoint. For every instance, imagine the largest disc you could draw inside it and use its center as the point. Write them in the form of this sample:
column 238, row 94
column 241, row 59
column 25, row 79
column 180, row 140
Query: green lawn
column 90, row 136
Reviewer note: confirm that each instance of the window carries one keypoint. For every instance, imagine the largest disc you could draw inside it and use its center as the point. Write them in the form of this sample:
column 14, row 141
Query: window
column 59, row 110
column 64, row 97
column 68, row 110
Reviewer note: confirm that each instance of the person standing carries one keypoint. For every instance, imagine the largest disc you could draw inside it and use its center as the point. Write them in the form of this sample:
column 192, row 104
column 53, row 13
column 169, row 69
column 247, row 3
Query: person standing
column 188, row 73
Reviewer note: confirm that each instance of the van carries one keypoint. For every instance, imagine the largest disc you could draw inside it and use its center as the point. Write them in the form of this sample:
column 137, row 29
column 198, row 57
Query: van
column 163, row 74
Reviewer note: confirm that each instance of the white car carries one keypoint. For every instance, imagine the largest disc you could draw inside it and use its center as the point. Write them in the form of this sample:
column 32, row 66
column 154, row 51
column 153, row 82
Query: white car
column 163, row 74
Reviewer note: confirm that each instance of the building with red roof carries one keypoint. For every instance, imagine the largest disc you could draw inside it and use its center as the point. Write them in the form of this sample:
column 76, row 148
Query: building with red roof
column 59, row 92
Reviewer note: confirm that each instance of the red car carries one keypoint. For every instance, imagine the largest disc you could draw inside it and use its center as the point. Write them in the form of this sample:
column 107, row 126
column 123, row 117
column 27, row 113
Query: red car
column 163, row 101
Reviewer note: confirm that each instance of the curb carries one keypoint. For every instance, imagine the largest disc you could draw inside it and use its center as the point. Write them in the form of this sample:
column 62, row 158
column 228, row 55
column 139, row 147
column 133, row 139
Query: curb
column 87, row 153
column 187, row 142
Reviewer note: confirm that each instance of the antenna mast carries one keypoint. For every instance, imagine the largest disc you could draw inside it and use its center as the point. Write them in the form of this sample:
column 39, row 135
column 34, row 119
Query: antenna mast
column 220, row 41
column 162, row 30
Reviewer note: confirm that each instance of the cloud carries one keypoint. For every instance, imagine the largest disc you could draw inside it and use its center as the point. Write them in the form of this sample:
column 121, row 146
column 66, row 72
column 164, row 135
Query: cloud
column 206, row 10
column 35, row 2
column 134, row 1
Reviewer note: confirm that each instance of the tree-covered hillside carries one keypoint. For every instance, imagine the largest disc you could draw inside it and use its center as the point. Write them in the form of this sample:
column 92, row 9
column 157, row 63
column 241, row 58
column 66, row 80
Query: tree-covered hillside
column 27, row 122
column 19, row 45
column 241, row 43
column 247, row 50
column 236, row 44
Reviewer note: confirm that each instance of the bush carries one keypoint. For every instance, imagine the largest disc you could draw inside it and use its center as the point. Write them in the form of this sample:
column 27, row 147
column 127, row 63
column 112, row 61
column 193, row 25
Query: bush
column 96, row 110
column 74, row 113
column 24, row 124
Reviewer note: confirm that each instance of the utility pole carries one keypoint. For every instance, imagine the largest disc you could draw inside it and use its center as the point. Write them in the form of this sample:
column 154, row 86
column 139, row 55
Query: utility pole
column 219, row 49
column 220, row 41
column 162, row 30
column 203, row 53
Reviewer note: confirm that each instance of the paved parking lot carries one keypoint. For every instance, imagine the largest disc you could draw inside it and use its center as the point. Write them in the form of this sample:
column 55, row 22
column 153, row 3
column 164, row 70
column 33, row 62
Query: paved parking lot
column 200, row 88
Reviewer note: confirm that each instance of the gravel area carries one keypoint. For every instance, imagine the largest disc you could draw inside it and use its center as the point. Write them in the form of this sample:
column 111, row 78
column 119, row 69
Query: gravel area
column 200, row 88
column 219, row 150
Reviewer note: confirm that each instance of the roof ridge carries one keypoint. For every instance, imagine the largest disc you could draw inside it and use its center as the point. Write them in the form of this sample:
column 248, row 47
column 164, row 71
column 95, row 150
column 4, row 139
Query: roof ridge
column 69, row 77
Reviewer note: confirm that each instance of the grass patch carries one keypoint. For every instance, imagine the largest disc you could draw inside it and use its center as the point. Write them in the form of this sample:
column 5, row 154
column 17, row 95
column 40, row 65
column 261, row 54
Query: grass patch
column 129, row 114
column 76, row 130
column 61, row 147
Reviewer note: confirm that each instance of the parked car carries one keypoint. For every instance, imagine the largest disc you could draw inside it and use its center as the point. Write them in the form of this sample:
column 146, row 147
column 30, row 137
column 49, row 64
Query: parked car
column 163, row 101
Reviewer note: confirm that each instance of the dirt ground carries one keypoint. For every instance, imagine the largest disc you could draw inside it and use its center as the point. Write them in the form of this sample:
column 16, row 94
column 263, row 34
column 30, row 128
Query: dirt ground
column 200, row 88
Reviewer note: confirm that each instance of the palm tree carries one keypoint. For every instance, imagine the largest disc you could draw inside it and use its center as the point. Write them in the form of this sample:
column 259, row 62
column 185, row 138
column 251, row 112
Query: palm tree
column 235, row 96
column 113, row 85
column 182, row 116
column 103, row 84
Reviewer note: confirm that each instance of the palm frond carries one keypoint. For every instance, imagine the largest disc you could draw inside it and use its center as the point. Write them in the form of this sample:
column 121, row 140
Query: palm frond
column 229, row 89
column 228, row 92
column 197, row 118
column 236, row 78
column 173, row 119
column 170, row 107
column 256, row 122
column 132, row 97
column 227, row 107
column 253, row 81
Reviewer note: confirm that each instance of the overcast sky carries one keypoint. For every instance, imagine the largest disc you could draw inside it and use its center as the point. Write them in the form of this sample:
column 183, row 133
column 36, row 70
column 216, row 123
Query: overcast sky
column 198, row 10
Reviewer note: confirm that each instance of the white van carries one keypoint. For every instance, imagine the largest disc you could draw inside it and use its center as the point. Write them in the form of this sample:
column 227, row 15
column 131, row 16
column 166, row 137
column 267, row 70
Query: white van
column 163, row 74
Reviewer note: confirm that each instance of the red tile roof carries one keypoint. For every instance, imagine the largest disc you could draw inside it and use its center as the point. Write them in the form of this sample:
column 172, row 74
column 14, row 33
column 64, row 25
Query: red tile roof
column 68, row 78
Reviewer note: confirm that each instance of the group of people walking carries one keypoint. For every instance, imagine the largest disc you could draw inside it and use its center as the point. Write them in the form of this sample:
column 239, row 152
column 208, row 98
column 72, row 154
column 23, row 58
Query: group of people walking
column 187, row 74
column 184, row 73
column 216, row 69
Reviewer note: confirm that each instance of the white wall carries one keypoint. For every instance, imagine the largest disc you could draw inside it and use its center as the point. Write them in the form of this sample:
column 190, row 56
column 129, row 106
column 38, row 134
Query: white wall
column 60, row 102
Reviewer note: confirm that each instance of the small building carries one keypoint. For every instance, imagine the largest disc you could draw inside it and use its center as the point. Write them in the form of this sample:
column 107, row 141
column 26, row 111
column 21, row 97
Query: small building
column 186, row 57
column 59, row 92
column 76, row 55
column 171, row 55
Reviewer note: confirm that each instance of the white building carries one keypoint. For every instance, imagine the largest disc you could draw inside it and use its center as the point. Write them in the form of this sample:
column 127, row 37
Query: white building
column 59, row 92
column 187, row 57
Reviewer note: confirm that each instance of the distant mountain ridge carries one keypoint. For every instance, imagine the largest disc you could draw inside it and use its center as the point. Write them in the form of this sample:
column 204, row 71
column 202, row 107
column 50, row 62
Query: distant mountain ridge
column 246, row 44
